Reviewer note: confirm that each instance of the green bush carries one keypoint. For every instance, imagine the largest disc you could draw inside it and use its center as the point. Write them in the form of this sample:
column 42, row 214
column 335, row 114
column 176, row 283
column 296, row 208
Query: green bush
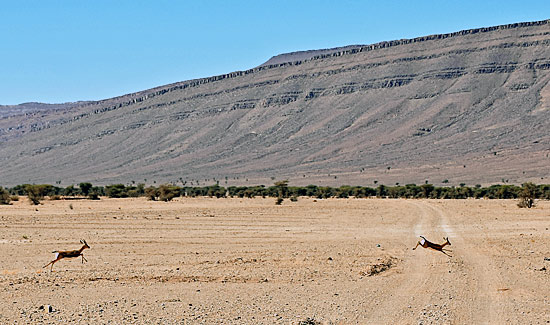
column 35, row 193
column 93, row 196
column 381, row 191
column 4, row 196
column 152, row 193
column 70, row 191
column 96, row 192
column 116, row 191
column 167, row 192
column 85, row 188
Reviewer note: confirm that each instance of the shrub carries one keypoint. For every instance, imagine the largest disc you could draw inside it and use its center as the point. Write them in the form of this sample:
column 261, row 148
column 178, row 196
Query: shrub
column 85, row 188
column 343, row 192
column 4, row 196
column 93, row 196
column 19, row 190
column 167, row 192
column 35, row 193
column 98, row 190
column 133, row 193
column 324, row 192
column 140, row 189
column 116, row 191
column 70, row 191
column 381, row 191
column 544, row 192
column 527, row 195
column 426, row 190
column 216, row 191
column 151, row 193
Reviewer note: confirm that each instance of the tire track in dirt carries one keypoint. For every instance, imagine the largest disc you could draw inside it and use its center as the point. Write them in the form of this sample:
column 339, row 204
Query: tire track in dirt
column 482, row 301
column 413, row 290
column 431, row 297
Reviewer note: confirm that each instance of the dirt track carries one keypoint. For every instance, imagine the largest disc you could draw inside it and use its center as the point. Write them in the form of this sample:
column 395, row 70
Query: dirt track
column 248, row 261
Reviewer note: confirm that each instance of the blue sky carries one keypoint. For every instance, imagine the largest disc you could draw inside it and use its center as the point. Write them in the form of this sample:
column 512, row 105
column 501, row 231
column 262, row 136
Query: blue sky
column 59, row 51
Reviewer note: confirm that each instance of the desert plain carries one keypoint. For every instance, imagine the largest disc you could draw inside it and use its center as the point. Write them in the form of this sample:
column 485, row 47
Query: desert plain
column 249, row 261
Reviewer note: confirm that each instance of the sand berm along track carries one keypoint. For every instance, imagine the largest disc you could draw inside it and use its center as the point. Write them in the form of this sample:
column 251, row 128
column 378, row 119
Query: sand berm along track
column 248, row 261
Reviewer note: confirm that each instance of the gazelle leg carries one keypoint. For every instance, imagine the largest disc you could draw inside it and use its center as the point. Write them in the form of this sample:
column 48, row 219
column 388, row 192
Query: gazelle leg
column 83, row 259
column 52, row 262
column 418, row 243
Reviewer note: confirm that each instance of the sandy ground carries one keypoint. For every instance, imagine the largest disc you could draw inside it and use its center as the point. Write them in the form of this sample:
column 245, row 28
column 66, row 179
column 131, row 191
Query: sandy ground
column 248, row 261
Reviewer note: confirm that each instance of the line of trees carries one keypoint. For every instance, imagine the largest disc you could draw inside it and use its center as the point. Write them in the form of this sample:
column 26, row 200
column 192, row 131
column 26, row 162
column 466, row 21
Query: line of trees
column 528, row 192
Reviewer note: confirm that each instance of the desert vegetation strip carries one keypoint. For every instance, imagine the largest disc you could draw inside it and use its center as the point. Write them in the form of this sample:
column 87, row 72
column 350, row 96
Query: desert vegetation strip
column 527, row 193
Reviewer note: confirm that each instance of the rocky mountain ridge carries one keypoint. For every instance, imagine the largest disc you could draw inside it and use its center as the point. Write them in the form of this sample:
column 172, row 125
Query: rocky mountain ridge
column 464, row 107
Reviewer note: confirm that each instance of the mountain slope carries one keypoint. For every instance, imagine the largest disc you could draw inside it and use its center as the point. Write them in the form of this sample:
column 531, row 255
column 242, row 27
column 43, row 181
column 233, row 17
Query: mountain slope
column 468, row 107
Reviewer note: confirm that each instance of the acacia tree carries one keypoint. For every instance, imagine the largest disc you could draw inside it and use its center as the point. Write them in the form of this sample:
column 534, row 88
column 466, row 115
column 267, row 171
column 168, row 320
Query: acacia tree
column 35, row 193
column 282, row 189
column 527, row 195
